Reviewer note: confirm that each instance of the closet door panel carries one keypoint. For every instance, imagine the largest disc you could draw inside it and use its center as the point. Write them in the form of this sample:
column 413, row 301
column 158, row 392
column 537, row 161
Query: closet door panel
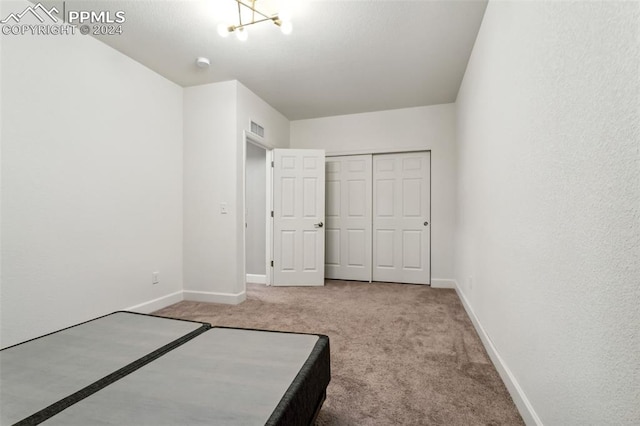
column 348, row 210
column 401, row 216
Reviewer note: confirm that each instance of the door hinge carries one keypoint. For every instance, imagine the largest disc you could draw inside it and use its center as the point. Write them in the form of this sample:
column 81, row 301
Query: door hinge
column 272, row 263
column 272, row 164
column 271, row 213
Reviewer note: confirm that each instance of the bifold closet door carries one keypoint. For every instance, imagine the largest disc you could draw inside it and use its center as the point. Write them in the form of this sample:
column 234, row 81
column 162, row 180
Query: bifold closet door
column 401, row 216
column 348, row 214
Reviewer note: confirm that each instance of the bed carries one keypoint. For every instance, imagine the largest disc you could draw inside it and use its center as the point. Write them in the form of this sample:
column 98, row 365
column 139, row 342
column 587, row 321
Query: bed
column 127, row 368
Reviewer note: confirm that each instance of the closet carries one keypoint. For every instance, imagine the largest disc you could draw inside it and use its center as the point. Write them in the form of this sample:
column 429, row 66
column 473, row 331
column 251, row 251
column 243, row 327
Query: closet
column 378, row 212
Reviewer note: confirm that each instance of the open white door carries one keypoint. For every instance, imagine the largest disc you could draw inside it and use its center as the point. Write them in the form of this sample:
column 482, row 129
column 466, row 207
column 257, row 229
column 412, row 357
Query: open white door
column 298, row 217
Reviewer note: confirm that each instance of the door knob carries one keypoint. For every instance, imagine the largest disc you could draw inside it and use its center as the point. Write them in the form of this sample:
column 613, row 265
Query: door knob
column 426, row 223
column 318, row 225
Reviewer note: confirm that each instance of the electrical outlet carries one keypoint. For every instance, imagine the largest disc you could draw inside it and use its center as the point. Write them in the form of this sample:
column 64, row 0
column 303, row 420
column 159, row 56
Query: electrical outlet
column 155, row 277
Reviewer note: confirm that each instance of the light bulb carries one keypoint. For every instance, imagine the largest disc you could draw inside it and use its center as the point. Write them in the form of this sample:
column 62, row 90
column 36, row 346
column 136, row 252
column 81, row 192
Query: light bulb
column 286, row 27
column 242, row 34
column 223, row 30
column 284, row 15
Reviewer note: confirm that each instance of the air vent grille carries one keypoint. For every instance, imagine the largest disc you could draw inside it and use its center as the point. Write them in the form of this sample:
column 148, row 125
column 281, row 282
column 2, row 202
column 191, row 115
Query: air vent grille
column 257, row 129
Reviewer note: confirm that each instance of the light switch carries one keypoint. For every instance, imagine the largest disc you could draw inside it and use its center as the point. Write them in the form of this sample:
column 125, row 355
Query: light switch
column 223, row 208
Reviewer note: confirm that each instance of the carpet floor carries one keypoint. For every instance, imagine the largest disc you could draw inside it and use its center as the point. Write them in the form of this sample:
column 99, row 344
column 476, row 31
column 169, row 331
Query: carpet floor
column 400, row 354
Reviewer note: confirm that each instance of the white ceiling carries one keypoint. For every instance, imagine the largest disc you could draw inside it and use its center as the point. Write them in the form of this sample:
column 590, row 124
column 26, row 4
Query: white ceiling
column 342, row 57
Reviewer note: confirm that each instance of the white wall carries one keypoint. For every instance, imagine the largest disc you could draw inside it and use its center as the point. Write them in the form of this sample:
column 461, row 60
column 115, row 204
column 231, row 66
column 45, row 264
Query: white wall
column 92, row 183
column 215, row 116
column 422, row 128
column 210, row 151
column 1, row 186
column 251, row 107
column 549, row 205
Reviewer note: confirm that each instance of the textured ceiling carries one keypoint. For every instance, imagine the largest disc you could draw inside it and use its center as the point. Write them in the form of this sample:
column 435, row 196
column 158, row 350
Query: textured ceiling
column 343, row 56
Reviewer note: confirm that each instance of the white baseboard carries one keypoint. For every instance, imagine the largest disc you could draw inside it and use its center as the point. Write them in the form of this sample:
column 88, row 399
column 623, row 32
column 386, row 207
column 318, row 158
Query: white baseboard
column 210, row 297
column 256, row 279
column 517, row 394
column 157, row 304
column 442, row 283
column 298, row 285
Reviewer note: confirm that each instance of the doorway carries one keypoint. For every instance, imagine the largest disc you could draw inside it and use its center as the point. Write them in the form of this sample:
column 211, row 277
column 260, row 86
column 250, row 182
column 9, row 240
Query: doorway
column 255, row 208
column 283, row 244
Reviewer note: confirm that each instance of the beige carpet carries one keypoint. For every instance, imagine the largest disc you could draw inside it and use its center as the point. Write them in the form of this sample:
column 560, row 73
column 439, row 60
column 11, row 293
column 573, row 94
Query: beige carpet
column 400, row 354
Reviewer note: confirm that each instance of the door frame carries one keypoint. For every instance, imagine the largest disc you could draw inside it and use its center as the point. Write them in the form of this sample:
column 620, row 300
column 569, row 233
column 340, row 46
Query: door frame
column 254, row 139
column 399, row 151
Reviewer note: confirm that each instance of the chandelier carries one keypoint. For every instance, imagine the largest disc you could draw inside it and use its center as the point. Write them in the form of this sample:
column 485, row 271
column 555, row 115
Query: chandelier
column 281, row 20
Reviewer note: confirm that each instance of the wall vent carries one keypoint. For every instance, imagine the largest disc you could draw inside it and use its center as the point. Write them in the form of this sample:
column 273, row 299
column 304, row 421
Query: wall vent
column 257, row 129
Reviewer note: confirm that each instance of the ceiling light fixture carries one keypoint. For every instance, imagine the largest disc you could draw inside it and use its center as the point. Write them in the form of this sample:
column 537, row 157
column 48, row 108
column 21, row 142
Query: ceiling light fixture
column 281, row 20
